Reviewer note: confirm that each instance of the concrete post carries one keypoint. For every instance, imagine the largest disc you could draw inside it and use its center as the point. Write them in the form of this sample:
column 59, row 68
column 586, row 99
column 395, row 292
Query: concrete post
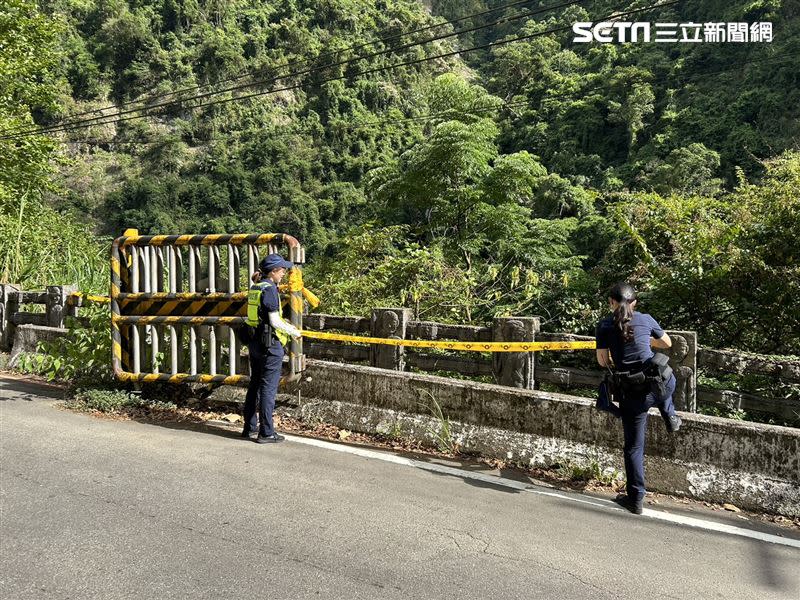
column 389, row 323
column 514, row 369
column 683, row 360
column 8, row 306
column 73, row 304
column 57, row 304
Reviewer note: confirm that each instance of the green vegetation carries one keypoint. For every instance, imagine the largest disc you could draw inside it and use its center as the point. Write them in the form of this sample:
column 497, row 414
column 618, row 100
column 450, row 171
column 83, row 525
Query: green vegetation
column 38, row 245
column 41, row 247
column 521, row 179
column 114, row 401
column 29, row 85
column 83, row 356
column 591, row 471
column 661, row 117
column 442, row 433
column 101, row 400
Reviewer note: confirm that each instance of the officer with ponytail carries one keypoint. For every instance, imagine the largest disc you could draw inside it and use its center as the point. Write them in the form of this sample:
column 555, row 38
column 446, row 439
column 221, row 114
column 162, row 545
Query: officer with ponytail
column 267, row 338
column 642, row 380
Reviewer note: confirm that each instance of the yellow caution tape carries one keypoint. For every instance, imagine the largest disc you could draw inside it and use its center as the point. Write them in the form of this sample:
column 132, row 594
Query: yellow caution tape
column 296, row 285
column 444, row 345
column 91, row 297
column 311, row 297
column 469, row 346
column 295, row 280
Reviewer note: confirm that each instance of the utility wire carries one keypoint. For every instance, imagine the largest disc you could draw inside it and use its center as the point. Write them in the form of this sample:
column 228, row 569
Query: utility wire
column 392, row 50
column 81, row 125
column 680, row 79
column 297, row 62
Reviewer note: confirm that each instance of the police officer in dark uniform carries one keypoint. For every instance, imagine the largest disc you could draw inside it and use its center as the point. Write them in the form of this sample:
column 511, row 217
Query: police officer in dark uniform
column 642, row 379
column 265, row 348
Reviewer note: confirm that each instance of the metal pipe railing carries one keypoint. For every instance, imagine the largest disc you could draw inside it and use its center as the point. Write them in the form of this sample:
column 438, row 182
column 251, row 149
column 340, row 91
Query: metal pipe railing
column 157, row 303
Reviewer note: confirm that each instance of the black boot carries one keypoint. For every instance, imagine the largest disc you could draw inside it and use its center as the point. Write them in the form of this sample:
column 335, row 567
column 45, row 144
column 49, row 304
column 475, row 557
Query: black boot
column 633, row 506
column 673, row 423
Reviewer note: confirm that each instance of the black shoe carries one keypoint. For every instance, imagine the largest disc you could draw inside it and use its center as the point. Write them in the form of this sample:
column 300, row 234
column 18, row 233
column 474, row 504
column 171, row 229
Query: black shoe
column 270, row 439
column 249, row 434
column 673, row 423
column 625, row 502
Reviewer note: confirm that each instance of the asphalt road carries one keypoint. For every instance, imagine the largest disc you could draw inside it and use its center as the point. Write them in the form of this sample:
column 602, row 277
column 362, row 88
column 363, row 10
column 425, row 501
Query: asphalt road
column 93, row 508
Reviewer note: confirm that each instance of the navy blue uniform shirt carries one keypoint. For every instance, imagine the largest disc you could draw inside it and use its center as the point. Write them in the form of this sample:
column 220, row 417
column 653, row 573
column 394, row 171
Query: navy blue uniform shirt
column 635, row 352
column 270, row 302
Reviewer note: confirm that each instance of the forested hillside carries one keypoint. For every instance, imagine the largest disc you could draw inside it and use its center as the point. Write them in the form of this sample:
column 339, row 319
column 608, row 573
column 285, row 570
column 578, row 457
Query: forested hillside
column 482, row 176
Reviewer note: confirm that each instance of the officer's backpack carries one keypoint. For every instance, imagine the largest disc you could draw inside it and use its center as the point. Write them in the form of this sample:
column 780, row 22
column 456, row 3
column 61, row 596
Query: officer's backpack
column 244, row 333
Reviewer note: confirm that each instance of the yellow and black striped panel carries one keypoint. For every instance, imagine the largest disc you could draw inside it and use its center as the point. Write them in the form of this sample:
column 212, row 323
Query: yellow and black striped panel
column 124, row 259
column 125, row 299
column 184, row 378
column 125, row 345
column 116, row 345
column 208, row 239
column 180, row 308
column 116, row 280
column 241, row 380
column 176, row 320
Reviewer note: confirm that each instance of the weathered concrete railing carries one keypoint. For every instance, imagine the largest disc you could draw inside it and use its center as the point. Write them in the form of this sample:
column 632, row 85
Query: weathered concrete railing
column 20, row 330
column 752, row 465
column 715, row 362
column 709, row 362
column 513, row 369
column 527, row 371
column 729, row 361
column 521, row 370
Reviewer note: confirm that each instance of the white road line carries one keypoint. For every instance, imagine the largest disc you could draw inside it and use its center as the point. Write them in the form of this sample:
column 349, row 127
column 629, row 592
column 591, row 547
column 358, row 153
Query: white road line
column 527, row 487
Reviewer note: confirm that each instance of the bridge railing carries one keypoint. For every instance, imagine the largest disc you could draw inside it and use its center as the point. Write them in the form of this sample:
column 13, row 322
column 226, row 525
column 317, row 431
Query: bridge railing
column 566, row 370
column 777, row 371
column 42, row 313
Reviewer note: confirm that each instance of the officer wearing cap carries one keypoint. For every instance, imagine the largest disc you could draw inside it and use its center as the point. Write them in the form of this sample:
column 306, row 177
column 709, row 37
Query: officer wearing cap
column 265, row 348
column 625, row 341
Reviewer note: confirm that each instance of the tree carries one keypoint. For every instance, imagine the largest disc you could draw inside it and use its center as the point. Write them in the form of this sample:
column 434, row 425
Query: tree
column 689, row 170
column 726, row 266
column 28, row 85
column 633, row 110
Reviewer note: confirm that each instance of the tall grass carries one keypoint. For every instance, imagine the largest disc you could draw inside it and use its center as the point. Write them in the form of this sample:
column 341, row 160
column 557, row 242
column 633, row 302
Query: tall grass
column 40, row 247
column 442, row 433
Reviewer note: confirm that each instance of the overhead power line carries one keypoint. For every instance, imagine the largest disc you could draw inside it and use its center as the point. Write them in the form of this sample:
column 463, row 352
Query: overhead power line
column 302, row 61
column 81, row 125
column 259, row 82
column 477, row 110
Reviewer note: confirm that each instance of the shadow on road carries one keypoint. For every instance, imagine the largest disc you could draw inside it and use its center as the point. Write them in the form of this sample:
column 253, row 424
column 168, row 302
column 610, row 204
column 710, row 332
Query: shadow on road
column 476, row 483
column 540, row 477
column 27, row 391
column 769, row 569
column 191, row 426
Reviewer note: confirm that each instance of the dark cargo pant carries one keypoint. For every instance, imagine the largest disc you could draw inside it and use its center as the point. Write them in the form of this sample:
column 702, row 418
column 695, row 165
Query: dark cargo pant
column 634, row 424
column 265, row 375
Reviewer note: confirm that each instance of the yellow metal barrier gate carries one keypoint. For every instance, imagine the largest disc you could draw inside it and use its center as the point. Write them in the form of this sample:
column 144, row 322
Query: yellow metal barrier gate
column 163, row 285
